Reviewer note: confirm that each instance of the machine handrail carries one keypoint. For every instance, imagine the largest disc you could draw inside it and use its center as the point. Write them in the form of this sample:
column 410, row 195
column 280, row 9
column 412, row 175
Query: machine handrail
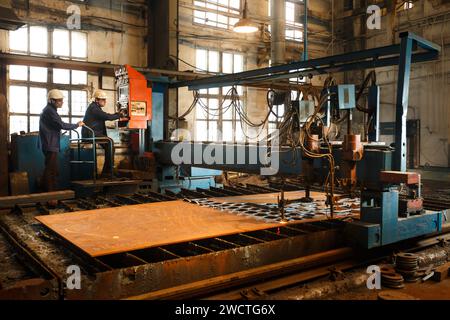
column 94, row 149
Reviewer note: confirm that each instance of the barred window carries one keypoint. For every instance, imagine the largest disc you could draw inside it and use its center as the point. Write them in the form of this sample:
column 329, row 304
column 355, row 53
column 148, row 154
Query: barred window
column 223, row 14
column 294, row 27
column 28, row 85
column 214, row 120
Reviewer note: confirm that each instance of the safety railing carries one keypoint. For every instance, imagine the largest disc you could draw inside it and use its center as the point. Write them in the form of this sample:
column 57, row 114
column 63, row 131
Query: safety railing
column 94, row 141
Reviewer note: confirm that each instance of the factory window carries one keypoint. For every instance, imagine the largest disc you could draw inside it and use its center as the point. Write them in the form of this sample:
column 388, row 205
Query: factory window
column 216, row 119
column 28, row 85
column 275, row 119
column 408, row 5
column 348, row 5
column 71, row 44
column 217, row 13
column 294, row 28
column 29, row 40
column 34, row 40
column 27, row 96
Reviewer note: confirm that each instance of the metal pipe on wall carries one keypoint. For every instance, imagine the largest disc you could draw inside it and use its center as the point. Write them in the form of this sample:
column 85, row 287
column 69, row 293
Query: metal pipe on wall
column 278, row 37
column 305, row 32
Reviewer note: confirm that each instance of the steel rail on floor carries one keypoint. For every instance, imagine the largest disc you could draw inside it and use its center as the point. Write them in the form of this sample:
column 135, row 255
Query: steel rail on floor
column 261, row 281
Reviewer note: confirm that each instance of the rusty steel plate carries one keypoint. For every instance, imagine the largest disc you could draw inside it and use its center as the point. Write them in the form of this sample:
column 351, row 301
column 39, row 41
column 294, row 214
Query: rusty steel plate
column 121, row 229
column 399, row 177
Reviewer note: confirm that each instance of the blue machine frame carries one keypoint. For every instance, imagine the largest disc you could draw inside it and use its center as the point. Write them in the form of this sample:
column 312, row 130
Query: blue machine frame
column 28, row 157
column 402, row 54
column 380, row 223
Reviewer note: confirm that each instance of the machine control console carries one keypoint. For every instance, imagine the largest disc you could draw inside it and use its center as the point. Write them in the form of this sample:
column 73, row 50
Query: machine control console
column 134, row 98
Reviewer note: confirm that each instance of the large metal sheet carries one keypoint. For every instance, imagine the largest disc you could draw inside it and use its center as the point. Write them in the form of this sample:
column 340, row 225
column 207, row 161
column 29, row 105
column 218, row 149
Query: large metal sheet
column 120, row 229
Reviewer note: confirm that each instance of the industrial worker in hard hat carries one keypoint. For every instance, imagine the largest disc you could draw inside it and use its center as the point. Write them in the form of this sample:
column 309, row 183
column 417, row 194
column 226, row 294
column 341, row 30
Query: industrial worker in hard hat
column 50, row 126
column 95, row 119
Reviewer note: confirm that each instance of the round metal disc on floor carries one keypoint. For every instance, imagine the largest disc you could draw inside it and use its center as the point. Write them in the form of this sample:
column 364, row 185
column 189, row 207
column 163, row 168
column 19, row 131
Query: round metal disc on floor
column 392, row 276
column 392, row 280
column 387, row 269
column 394, row 295
column 407, row 255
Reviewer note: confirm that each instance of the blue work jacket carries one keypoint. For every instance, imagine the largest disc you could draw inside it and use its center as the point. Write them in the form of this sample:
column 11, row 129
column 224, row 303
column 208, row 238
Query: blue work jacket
column 50, row 126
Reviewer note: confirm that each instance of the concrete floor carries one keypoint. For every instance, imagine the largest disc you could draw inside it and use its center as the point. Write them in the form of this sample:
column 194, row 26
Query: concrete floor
column 428, row 290
column 353, row 287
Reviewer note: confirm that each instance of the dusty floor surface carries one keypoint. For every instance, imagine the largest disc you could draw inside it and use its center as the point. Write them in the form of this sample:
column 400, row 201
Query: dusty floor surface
column 429, row 290
column 346, row 290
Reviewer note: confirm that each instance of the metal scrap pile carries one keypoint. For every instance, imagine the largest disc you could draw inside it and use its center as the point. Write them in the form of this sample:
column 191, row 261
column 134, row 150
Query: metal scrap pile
column 412, row 267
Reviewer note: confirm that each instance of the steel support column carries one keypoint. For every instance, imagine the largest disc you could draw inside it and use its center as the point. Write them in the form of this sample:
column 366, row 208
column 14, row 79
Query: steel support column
column 278, row 38
column 305, row 32
column 163, row 48
column 399, row 161
column 374, row 104
column 3, row 133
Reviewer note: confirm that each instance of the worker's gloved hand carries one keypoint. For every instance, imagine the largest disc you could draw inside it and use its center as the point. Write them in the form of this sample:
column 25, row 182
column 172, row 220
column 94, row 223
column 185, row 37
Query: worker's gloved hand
column 122, row 113
column 80, row 124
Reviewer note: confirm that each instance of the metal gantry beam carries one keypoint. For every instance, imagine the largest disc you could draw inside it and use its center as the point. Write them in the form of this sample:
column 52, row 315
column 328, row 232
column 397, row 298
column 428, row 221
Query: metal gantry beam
column 403, row 55
column 409, row 43
column 369, row 58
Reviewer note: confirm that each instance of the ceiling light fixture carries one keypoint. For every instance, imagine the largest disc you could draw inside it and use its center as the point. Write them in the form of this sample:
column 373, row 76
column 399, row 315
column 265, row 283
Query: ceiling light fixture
column 245, row 25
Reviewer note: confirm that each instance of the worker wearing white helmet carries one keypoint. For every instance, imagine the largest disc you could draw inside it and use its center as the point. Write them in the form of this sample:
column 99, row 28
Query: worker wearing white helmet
column 50, row 126
column 95, row 118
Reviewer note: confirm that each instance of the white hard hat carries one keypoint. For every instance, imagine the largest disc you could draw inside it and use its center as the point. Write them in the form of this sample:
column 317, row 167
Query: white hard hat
column 100, row 94
column 55, row 94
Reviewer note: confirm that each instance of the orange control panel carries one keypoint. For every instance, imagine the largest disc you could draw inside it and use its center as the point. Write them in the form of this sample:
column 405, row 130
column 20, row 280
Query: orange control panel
column 135, row 98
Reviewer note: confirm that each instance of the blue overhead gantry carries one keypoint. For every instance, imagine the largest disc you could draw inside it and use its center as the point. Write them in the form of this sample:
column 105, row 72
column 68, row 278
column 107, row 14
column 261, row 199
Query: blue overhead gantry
column 401, row 55
column 385, row 218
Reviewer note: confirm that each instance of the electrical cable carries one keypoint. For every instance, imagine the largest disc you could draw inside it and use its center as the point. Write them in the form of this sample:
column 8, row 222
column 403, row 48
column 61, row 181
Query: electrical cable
column 192, row 66
column 115, row 20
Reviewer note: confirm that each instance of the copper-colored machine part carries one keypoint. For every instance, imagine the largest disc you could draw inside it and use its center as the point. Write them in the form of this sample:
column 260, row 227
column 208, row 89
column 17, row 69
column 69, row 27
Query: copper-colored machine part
column 312, row 143
column 352, row 151
column 352, row 148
